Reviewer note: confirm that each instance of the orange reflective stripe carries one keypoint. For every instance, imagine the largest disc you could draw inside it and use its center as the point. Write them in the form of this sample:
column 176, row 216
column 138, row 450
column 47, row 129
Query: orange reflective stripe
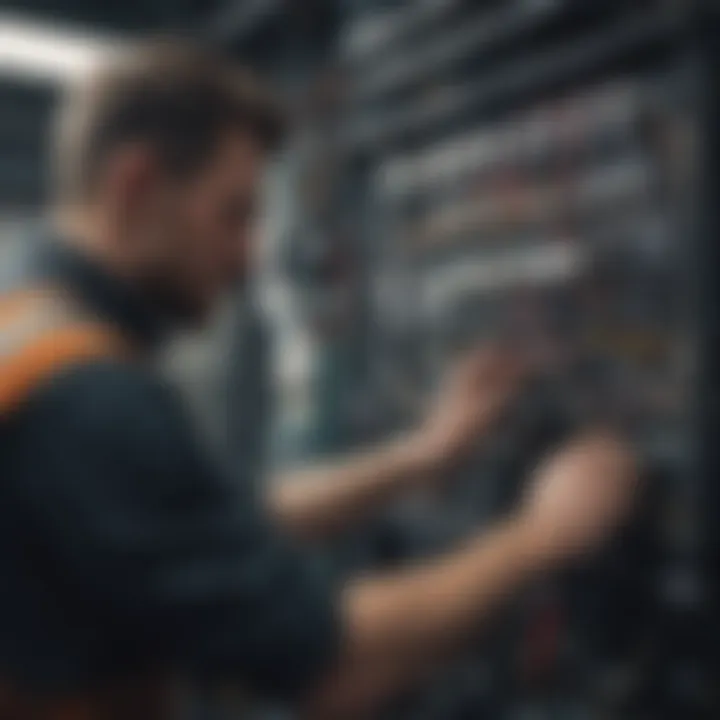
column 43, row 356
column 17, row 300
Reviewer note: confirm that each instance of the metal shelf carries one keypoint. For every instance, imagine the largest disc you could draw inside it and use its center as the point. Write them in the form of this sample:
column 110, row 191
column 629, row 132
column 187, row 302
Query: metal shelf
column 522, row 80
column 473, row 37
column 484, row 33
column 366, row 39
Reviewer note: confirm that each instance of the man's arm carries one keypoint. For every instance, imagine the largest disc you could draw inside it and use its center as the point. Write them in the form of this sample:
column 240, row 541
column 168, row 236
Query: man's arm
column 319, row 501
column 168, row 559
column 399, row 627
column 166, row 553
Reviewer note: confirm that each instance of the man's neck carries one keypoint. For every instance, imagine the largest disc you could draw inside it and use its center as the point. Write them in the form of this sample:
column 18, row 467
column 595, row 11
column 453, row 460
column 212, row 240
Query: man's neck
column 119, row 276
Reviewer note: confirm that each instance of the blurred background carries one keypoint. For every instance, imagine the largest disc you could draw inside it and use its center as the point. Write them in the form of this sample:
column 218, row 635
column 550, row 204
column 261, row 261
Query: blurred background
column 541, row 171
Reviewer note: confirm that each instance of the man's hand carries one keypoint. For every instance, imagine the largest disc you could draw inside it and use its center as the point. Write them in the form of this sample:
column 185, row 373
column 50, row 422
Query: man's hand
column 580, row 496
column 402, row 625
column 472, row 398
column 319, row 502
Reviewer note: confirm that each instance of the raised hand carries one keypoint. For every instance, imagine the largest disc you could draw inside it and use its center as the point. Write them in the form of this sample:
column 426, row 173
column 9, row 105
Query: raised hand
column 472, row 397
column 580, row 497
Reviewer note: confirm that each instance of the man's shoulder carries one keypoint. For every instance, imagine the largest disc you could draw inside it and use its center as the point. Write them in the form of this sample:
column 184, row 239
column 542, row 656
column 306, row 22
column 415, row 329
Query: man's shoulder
column 95, row 378
column 98, row 397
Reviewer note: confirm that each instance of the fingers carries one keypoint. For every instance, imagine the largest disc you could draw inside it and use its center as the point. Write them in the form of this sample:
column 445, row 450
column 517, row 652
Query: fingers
column 486, row 366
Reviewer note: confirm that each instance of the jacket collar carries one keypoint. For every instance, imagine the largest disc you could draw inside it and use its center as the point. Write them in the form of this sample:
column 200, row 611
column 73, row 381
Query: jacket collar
column 106, row 295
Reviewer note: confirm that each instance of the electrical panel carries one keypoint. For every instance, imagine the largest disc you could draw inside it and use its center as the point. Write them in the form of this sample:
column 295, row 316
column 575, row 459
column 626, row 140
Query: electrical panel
column 539, row 187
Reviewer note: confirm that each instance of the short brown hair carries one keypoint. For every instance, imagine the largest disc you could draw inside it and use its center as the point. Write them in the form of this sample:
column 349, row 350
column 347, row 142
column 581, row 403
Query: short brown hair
column 176, row 96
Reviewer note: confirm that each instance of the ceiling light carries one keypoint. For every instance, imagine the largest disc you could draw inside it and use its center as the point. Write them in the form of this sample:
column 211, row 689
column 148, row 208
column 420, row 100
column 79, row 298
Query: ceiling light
column 46, row 51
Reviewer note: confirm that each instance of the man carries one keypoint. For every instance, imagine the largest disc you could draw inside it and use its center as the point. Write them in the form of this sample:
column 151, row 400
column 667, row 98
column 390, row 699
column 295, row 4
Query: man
column 128, row 558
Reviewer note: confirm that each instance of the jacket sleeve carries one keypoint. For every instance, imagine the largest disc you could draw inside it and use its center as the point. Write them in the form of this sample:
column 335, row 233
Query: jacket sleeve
column 177, row 557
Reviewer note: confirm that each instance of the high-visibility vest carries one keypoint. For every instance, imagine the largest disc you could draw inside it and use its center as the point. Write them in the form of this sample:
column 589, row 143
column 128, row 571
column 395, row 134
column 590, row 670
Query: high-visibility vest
column 42, row 332
column 45, row 331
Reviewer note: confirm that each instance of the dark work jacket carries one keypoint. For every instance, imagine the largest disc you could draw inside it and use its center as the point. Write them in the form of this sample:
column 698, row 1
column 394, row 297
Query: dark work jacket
column 126, row 553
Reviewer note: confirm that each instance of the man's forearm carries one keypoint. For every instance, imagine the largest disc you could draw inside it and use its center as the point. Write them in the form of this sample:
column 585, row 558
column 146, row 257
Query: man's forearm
column 321, row 501
column 433, row 608
column 317, row 502
column 400, row 627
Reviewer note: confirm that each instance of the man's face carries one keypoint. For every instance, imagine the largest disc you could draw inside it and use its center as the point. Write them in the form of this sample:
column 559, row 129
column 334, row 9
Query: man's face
column 200, row 228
